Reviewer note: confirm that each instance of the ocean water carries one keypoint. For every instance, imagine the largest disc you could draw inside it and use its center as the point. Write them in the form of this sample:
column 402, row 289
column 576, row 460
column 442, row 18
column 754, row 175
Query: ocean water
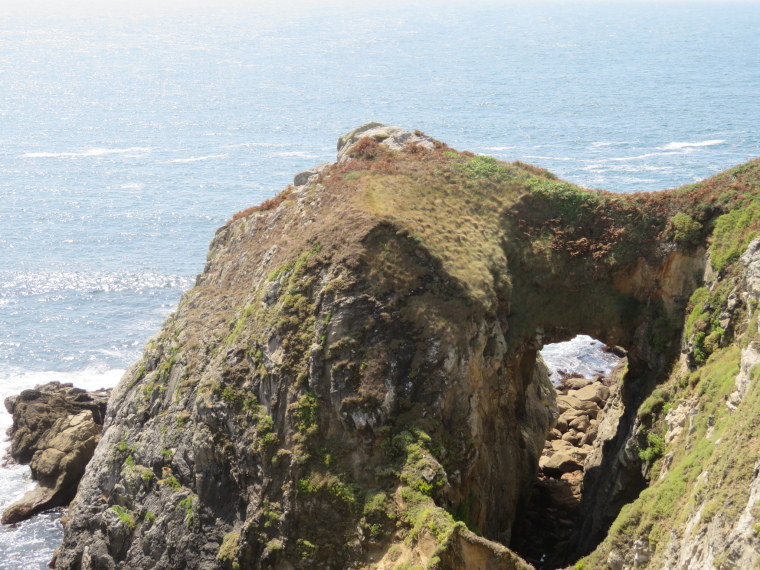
column 125, row 142
column 581, row 354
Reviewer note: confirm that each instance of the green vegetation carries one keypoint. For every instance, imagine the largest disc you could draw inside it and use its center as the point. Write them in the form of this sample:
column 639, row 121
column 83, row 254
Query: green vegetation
column 655, row 448
column 733, row 232
column 329, row 486
column 228, row 552
column 686, row 230
column 171, row 481
column 419, row 468
column 487, row 168
column 126, row 517
column 422, row 514
column 187, row 505
column 712, row 463
column 305, row 413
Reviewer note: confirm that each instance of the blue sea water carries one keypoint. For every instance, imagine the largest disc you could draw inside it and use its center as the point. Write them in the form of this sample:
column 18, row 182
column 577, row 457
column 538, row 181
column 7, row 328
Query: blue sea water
column 125, row 142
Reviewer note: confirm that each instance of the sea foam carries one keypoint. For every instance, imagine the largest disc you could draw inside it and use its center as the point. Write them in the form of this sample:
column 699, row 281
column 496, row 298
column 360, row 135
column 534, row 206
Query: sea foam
column 89, row 152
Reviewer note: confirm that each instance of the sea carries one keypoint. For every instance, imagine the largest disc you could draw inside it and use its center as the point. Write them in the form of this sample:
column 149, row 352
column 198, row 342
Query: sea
column 128, row 137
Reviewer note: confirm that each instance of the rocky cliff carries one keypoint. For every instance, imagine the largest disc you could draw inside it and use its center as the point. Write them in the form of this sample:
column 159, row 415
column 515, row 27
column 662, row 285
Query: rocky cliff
column 353, row 381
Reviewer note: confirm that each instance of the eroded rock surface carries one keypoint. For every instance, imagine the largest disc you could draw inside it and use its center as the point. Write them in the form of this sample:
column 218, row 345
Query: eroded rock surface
column 55, row 430
column 548, row 522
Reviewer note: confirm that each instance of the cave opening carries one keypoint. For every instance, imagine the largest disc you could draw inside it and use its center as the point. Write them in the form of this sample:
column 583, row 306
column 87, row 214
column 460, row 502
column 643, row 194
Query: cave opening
column 586, row 373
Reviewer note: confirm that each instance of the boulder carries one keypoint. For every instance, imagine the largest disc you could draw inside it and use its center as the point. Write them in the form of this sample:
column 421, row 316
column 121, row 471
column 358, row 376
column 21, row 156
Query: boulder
column 310, row 175
column 395, row 138
column 597, row 393
column 553, row 434
column 581, row 423
column 567, row 402
column 55, row 430
column 591, row 432
column 559, row 463
column 572, row 437
column 576, row 383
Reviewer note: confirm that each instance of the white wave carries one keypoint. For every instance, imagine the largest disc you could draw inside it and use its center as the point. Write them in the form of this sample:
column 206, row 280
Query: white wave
column 634, row 180
column 255, row 144
column 299, row 154
column 498, row 148
column 92, row 378
column 606, row 143
column 690, row 145
column 646, row 155
column 89, row 152
column 582, row 354
column 599, row 167
column 548, row 157
column 133, row 186
column 196, row 159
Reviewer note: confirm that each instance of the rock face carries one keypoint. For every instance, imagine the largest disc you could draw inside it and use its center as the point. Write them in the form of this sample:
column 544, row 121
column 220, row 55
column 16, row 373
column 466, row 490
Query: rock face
column 326, row 395
column 55, row 430
column 543, row 535
column 353, row 381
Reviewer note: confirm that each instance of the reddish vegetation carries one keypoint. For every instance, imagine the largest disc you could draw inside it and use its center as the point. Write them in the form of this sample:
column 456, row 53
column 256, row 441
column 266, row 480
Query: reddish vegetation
column 269, row 204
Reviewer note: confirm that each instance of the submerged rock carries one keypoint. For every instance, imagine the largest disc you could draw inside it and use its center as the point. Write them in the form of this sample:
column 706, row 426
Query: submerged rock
column 55, row 430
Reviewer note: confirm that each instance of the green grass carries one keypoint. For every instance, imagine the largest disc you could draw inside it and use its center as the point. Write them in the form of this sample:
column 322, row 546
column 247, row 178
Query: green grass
column 671, row 500
column 125, row 516
column 733, row 232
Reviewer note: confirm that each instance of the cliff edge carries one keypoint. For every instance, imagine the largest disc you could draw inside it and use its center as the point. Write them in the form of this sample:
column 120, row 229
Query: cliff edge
column 354, row 379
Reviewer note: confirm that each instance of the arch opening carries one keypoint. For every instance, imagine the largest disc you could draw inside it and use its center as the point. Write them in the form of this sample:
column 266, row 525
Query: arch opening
column 586, row 374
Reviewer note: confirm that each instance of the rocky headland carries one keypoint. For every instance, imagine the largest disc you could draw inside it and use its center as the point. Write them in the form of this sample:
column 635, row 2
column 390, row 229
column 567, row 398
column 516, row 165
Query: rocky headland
column 354, row 380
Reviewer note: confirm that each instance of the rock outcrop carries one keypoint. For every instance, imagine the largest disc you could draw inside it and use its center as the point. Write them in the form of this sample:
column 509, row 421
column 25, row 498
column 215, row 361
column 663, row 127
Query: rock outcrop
column 55, row 430
column 353, row 380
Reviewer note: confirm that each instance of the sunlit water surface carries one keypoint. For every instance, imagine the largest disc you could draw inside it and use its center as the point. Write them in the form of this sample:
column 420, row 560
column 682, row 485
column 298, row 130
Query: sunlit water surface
column 124, row 143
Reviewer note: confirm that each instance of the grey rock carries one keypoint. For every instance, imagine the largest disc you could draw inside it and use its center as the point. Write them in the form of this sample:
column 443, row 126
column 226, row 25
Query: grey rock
column 751, row 259
column 309, row 176
column 395, row 138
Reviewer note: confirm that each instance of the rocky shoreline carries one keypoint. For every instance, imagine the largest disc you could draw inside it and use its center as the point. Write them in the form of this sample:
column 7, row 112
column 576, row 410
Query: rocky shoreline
column 55, row 430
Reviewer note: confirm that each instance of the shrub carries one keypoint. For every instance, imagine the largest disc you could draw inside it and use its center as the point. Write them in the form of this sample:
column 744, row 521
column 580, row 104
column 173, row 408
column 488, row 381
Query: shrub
column 654, row 450
column 269, row 204
column 685, row 229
